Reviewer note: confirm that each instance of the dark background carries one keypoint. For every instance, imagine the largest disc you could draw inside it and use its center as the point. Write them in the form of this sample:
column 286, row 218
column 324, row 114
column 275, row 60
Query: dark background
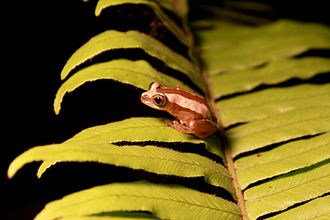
column 37, row 38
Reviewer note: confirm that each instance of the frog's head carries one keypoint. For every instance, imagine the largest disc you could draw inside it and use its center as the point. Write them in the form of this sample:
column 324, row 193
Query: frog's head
column 154, row 98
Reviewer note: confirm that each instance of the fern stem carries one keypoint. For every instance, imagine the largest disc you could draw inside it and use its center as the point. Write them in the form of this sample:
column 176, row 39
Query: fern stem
column 238, row 191
column 228, row 155
column 215, row 111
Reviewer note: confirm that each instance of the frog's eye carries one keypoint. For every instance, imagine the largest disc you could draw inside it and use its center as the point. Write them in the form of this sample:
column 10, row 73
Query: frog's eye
column 159, row 100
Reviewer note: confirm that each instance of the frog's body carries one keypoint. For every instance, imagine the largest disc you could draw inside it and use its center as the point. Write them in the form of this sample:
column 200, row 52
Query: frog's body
column 190, row 110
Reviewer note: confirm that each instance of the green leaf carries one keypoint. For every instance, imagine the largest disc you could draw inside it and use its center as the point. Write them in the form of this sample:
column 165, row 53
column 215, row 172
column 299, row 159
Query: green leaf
column 183, row 37
column 163, row 201
column 136, row 73
column 316, row 209
column 284, row 192
column 150, row 158
column 139, row 129
column 112, row 39
column 180, row 7
column 94, row 144
column 283, row 159
column 232, row 47
column 144, row 129
column 279, row 128
column 113, row 216
column 265, row 103
column 273, row 73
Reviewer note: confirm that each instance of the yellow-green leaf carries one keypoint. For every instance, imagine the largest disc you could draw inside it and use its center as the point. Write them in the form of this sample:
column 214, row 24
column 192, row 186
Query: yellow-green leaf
column 279, row 128
column 110, row 40
column 144, row 129
column 265, row 103
column 136, row 73
column 273, row 73
column 284, row 192
column 116, row 215
column 233, row 47
column 180, row 7
column 317, row 209
column 283, row 159
column 150, row 158
column 166, row 20
column 163, row 201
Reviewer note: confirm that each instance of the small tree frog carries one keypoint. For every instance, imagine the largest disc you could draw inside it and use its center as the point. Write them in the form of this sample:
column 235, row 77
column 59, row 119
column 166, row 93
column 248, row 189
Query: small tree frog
column 191, row 111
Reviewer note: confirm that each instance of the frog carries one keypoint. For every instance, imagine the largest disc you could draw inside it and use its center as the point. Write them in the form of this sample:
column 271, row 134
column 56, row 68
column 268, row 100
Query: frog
column 191, row 111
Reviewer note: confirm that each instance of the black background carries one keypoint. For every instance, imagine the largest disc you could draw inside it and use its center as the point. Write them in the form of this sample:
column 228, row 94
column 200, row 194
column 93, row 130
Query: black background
column 37, row 38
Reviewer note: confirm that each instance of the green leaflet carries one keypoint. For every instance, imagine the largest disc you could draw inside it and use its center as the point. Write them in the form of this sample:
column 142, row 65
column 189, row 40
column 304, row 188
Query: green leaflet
column 180, row 7
column 281, row 193
column 278, row 128
column 270, row 95
column 136, row 73
column 283, row 159
column 112, row 39
column 316, row 209
column 232, row 47
column 273, row 73
column 163, row 201
column 150, row 158
column 113, row 216
column 265, row 103
column 94, row 144
column 183, row 37
column 143, row 129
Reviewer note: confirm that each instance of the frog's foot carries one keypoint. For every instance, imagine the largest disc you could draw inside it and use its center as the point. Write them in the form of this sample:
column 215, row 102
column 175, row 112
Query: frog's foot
column 178, row 126
column 199, row 128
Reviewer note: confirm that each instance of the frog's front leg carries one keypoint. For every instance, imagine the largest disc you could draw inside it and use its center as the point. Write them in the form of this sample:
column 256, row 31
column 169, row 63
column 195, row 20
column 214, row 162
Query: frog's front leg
column 178, row 126
column 199, row 127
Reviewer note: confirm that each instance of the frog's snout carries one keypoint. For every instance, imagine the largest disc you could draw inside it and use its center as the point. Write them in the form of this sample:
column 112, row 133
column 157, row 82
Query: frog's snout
column 145, row 98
